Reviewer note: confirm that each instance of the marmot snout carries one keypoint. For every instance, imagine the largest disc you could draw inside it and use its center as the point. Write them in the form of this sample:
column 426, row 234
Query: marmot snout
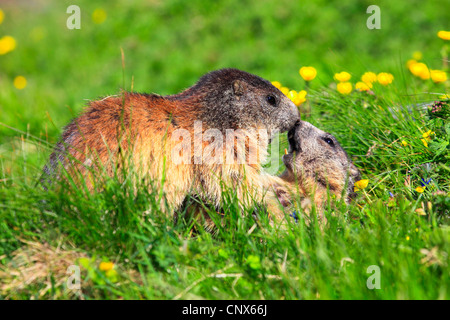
column 316, row 161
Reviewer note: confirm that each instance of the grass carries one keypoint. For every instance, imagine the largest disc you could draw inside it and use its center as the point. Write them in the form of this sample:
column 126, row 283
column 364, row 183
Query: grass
column 167, row 46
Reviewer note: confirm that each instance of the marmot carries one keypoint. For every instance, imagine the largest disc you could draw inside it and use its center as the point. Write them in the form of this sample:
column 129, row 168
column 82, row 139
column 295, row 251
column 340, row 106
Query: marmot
column 314, row 164
column 168, row 138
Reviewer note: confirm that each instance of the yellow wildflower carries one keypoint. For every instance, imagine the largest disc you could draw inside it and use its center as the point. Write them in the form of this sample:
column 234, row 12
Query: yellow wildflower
column 425, row 75
column 344, row 87
column 444, row 35
column 361, row 184
column 369, row 77
column 20, row 82
column 438, row 76
column 427, row 135
column 407, row 238
column 420, row 189
column 106, row 266
column 404, row 143
column 363, row 86
column 292, row 95
column 342, row 76
column 308, row 73
column 425, row 143
column 297, row 97
column 301, row 97
column 285, row 90
column 385, row 78
column 2, row 16
column 276, row 84
column 99, row 16
column 7, row 44
column 420, row 69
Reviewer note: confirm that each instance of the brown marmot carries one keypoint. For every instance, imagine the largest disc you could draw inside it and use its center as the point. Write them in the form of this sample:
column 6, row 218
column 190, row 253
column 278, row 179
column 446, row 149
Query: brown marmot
column 316, row 165
column 175, row 140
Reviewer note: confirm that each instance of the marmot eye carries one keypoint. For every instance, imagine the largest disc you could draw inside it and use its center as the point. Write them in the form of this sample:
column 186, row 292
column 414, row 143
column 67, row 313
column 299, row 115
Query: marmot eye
column 271, row 99
column 329, row 141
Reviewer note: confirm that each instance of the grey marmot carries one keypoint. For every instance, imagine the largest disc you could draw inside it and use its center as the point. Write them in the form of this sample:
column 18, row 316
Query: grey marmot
column 316, row 165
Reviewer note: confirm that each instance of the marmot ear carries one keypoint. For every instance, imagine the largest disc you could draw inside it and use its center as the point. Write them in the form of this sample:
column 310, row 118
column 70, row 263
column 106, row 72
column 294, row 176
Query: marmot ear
column 239, row 87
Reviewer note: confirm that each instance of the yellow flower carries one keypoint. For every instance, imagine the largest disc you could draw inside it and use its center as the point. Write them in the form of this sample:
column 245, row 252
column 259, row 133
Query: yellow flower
column 292, row 95
column 419, row 69
column 369, row 77
column 285, row 90
column 444, row 35
column 297, row 97
column 404, row 143
column 342, row 76
column 2, row 16
column 363, row 86
column 20, row 82
column 276, row 84
column 417, row 55
column 99, row 16
column 106, row 266
column 344, row 87
column 425, row 143
column 425, row 75
column 420, row 189
column 301, row 97
column 302, row 93
column 438, row 76
column 7, row 44
column 426, row 135
column 361, row 184
column 385, row 78
column 407, row 238
column 308, row 73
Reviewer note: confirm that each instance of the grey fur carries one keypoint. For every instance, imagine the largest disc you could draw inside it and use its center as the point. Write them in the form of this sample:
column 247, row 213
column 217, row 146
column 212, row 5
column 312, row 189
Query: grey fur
column 316, row 154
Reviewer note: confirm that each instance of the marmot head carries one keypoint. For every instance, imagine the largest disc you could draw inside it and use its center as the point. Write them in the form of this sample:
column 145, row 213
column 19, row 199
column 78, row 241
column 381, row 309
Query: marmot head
column 234, row 99
column 316, row 160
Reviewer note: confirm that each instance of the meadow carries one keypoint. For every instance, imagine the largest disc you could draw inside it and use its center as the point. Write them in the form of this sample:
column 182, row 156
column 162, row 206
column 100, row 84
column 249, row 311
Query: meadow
column 384, row 93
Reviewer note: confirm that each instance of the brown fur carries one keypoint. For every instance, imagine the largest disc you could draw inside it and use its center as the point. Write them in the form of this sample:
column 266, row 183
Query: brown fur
column 138, row 128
